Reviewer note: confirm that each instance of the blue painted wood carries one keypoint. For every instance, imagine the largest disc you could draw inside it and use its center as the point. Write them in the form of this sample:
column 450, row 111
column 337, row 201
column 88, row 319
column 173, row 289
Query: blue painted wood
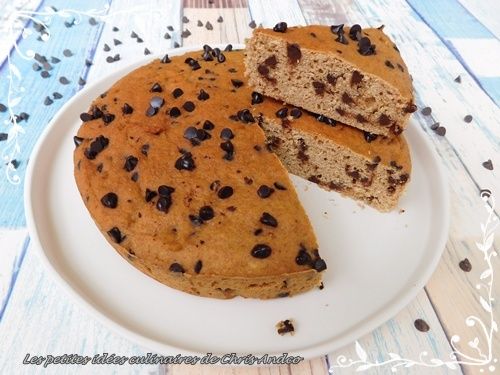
column 451, row 21
column 79, row 39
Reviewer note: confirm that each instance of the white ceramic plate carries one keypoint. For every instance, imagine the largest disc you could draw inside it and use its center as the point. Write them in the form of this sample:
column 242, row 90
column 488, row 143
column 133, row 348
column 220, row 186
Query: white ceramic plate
column 376, row 262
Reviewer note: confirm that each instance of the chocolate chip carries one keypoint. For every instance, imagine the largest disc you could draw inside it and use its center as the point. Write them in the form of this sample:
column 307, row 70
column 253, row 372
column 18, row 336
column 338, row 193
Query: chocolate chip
column 468, row 119
column 116, row 235
column 176, row 267
column 188, row 106
column 426, row 111
column 92, row 21
column 465, row 265
column 214, row 186
column 347, row 99
column 48, row 101
column 389, row 64
column 76, row 140
column 421, row 325
column 206, row 213
column 341, row 38
column 293, row 52
column 145, row 149
column 86, row 117
column 209, row 26
column 133, row 34
column 384, row 120
column 67, row 53
column 36, row 67
column 336, row 29
column 488, row 164
column 280, row 27
column 237, row 83
column 190, row 132
column 207, row 56
column 108, row 118
column 285, row 326
column 110, row 200
column 353, row 31
column 130, row 163
column 268, row 219
column 264, row 191
column 170, row 28
column 165, row 190
column 198, row 266
column 156, row 102
column 319, row 265
column 199, row 23
column 458, row 79
column 226, row 134
column 185, row 162
column 410, row 108
column 147, row 52
column 356, row 78
column 174, row 112
column 263, row 70
column 282, row 113
column 365, row 47
column 228, row 147
column 203, row 95
column 225, row 192
column 54, row 60
column 220, row 19
column 127, row 109
column 369, row 137
column 295, row 113
column 45, row 74
column 208, row 125
column 63, row 80
column 303, row 257
column 115, row 28
column 261, row 251
column 221, row 58
column 441, row 131
column 435, row 126
column 319, row 87
column 257, row 98
column 271, row 62
column 195, row 65
column 185, row 33
column 245, row 116
column 252, row 24
column 163, row 204
column 151, row 111
column 279, row 186
column 165, row 60
column 150, row 194
column 156, row 88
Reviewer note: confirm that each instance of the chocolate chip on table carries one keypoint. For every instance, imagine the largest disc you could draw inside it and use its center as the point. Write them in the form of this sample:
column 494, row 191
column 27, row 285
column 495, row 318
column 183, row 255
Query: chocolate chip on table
column 468, row 119
column 225, row 192
column 170, row 28
column 203, row 95
column 92, row 21
column 127, row 109
column 139, row 40
column 116, row 235
column 369, row 137
column 261, row 251
column 177, row 92
column 252, row 24
column 237, row 83
column 280, row 27
column 295, row 113
column 176, row 267
column 64, row 80
column 3, row 108
column 164, row 203
column 293, row 52
column 257, row 98
column 115, row 29
column 264, row 191
column 185, row 162
column 174, row 112
column 458, row 79
column 81, row 81
column 130, row 163
column 147, row 51
column 36, row 67
column 188, row 106
column 268, row 219
column 441, row 131
column 435, row 126
column 165, row 59
column 156, row 88
column 426, row 111
column 220, row 19
column 67, row 53
column 465, row 265
column 285, row 326
column 117, row 42
column 110, row 200
column 5, row 136
column 54, row 60
column 167, row 36
column 198, row 266
column 185, row 19
column 88, row 62
column 48, row 101
column 209, row 26
column 44, row 74
column 488, row 164
column 282, row 113
column 206, row 213
column 421, row 325
column 133, row 34
column 353, row 31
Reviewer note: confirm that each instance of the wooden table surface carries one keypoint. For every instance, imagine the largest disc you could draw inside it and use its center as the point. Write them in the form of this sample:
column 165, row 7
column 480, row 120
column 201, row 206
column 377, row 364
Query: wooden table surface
column 451, row 48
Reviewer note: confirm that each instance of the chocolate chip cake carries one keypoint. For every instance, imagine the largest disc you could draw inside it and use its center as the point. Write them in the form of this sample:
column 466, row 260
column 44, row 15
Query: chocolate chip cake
column 179, row 165
column 352, row 75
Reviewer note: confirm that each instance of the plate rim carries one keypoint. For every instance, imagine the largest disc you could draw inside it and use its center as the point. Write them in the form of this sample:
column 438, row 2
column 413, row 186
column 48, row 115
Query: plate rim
column 381, row 316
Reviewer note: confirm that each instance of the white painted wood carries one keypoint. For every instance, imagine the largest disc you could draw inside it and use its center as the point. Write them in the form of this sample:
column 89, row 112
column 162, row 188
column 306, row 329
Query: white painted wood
column 149, row 19
column 269, row 12
column 486, row 12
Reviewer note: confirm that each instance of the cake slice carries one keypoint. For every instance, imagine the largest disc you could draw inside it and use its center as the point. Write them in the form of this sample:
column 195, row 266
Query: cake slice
column 352, row 75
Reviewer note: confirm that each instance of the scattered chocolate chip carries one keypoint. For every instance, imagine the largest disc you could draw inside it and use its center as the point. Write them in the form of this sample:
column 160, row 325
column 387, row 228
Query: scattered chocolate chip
column 264, row 191
column 435, row 126
column 293, row 52
column 170, row 28
column 174, row 112
column 156, row 88
column 165, row 190
column 203, row 95
column 220, row 19
column 206, row 213
column 188, row 106
column 88, row 62
column 280, row 27
column 268, row 219
column 441, row 131
column 176, row 267
column 81, row 81
column 421, row 325
column 127, row 109
column 237, row 83
column 92, row 21
column 426, row 111
column 36, row 67
column 209, row 26
column 5, row 136
column 468, row 119
column 458, row 79
column 185, row 33
column 165, row 60
column 67, row 53
column 198, row 266
column 257, row 98
column 64, row 80
column 369, row 137
column 48, row 101
column 54, row 60
column 185, row 162
column 3, row 108
column 185, row 19
column 133, row 34
column 116, row 235
column 110, row 200
column 45, row 74
column 130, row 163
column 353, row 31
column 285, row 326
column 225, row 192
column 282, row 113
column 226, row 134
column 465, row 265
column 147, row 51
column 321, row 286
column 252, row 24
column 261, row 251
column 488, row 164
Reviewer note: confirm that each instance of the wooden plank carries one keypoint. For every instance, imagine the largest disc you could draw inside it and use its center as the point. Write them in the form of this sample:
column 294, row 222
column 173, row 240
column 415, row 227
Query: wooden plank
column 269, row 13
column 433, row 67
column 41, row 319
column 486, row 12
column 464, row 35
column 149, row 20
column 31, row 90
column 11, row 26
